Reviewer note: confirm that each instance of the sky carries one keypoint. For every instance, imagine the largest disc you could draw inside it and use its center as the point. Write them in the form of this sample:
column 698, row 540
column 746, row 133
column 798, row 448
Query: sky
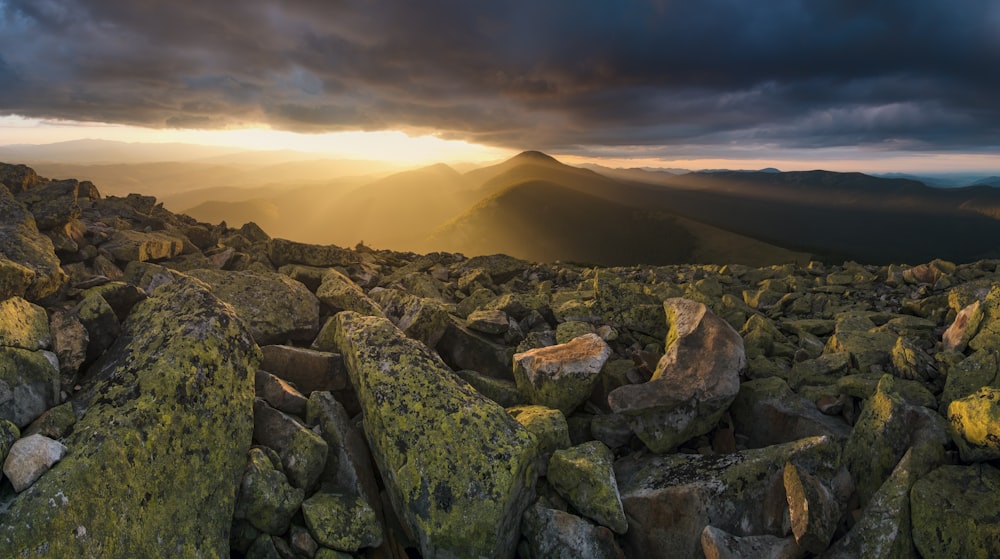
column 904, row 85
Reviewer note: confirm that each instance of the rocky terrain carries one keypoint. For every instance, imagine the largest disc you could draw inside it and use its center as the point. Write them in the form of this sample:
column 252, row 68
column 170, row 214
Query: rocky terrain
column 182, row 389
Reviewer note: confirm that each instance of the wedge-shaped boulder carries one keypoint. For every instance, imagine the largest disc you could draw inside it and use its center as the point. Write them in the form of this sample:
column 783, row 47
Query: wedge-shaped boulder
column 583, row 475
column 302, row 452
column 965, row 326
column 561, row 376
column 549, row 428
column 813, row 509
column 555, row 534
column 276, row 307
column 458, row 469
column 694, row 383
column 159, row 451
column 29, row 384
column 26, row 248
column 23, row 325
column 768, row 412
column 462, row 348
column 341, row 294
column 128, row 246
column 670, row 499
column 955, row 510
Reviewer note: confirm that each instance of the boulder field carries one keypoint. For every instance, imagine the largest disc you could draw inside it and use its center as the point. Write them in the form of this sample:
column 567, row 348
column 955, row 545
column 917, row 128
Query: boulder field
column 170, row 388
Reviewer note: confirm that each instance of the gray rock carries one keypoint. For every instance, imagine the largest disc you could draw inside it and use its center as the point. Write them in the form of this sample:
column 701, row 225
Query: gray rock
column 279, row 394
column 555, row 534
column 24, row 248
column 339, row 293
column 265, row 498
column 29, row 384
column 561, row 376
column 29, row 458
column 303, row 452
column 719, row 544
column 768, row 412
column 583, row 475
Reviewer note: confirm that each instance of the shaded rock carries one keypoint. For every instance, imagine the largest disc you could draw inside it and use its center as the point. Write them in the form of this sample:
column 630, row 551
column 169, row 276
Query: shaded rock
column 964, row 328
column 561, row 376
column 55, row 423
column 988, row 335
column 339, row 293
column 342, row 522
column 279, row 394
column 420, row 318
column 276, row 307
column 302, row 452
column 308, row 370
column 549, row 428
column 282, row 252
column 719, row 544
column 461, row 498
column 23, row 325
column 265, row 498
column 571, row 329
column 980, row 369
column 867, row 348
column 611, row 429
column 128, row 246
column 954, row 512
column 813, row 509
column 8, row 434
column 670, row 499
column 348, row 468
column 492, row 322
column 551, row 533
column 825, row 369
column 462, row 348
column 69, row 342
column 29, row 384
column 100, row 321
column 768, row 412
column 975, row 425
column 26, row 248
column 584, row 476
column 866, row 385
column 29, row 458
column 263, row 548
column 121, row 296
column 500, row 267
column 911, row 362
column 694, row 383
column 503, row 392
column 184, row 356
column 14, row 279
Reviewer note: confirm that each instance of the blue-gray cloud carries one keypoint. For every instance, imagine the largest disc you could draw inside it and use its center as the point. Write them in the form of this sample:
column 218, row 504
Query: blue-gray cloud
column 917, row 74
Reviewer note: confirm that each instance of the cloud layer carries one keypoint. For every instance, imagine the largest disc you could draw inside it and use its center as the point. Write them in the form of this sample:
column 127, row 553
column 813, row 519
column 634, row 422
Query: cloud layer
column 555, row 75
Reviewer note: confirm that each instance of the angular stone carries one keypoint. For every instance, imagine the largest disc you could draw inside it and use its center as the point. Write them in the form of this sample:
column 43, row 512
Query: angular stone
column 561, row 376
column 126, row 246
column 349, row 469
column 491, row 322
column 279, row 394
column 339, row 293
column 23, row 245
column 980, row 369
column 501, row 391
column 975, row 425
column 549, row 428
column 611, row 429
column 584, row 476
column 29, row 458
column 23, row 325
column 463, row 349
column 276, row 307
column 719, row 544
column 14, row 279
column 168, row 412
column 308, row 370
column 282, row 252
column 262, row 548
column 555, row 534
column 768, row 412
column 911, row 362
column 694, row 383
column 670, row 499
column 420, row 318
column 813, row 509
column 69, row 342
column 964, row 328
column 954, row 512
column 458, row 469
column 265, row 498
column 8, row 434
column 342, row 522
column 867, row 348
column 100, row 321
column 302, row 452
column 29, row 384
column 55, row 423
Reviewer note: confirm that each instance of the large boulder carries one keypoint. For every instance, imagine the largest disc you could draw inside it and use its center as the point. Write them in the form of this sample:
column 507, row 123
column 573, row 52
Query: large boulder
column 954, row 512
column 458, row 469
column 29, row 384
column 339, row 293
column 128, row 246
column 276, row 307
column 583, row 475
column 694, row 383
column 555, row 534
column 24, row 247
column 975, row 424
column 157, row 456
column 282, row 252
column 23, row 325
column 768, row 412
column 561, row 376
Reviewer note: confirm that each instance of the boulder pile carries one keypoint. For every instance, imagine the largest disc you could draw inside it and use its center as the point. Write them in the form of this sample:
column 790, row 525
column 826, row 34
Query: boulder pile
column 175, row 388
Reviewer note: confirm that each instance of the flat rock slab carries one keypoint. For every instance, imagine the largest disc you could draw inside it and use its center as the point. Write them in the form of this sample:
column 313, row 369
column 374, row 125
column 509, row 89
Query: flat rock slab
column 458, row 469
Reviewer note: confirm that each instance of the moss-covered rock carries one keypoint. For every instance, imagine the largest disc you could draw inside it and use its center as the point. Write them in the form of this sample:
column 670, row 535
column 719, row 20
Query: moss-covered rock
column 561, row 376
column 569, row 330
column 55, row 423
column 584, row 476
column 549, row 428
column 419, row 318
column 265, row 497
column 867, row 348
column 988, row 334
column 955, row 510
column 302, row 452
column 813, row 509
column 719, row 544
column 14, row 279
column 22, row 244
column 282, row 252
column 975, row 424
column 458, row 469
column 982, row 368
column 462, row 348
column 339, row 293
column 157, row 455
column 964, row 327
column 128, row 246
column 768, row 412
column 276, row 307
column 23, row 325
column 101, row 322
column 30, row 458
column 554, row 534
column 501, row 391
column 342, row 522
column 29, row 384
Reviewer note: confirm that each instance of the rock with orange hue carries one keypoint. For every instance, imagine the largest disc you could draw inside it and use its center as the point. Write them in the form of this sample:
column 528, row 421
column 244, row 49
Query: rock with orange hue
column 561, row 376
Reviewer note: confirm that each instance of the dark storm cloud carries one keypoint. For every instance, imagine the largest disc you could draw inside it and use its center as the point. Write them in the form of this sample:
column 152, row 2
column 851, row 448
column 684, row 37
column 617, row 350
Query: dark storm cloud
column 917, row 74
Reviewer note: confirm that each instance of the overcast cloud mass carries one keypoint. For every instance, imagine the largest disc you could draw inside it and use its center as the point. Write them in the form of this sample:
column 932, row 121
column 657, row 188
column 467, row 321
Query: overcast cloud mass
column 554, row 74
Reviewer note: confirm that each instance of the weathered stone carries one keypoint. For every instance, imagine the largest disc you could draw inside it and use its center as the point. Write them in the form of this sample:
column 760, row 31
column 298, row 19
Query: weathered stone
column 301, row 542
column 276, row 307
column 964, row 328
column 825, row 369
column 867, row 348
column 279, row 394
column 348, row 468
column 262, row 548
column 584, row 476
column 611, row 429
column 975, row 425
column 549, row 428
column 282, row 252
column 8, row 434
column 69, row 342
column 491, row 322
column 911, row 362
column 865, row 386
column 462, row 348
column 339, row 293
column 100, row 321
column 29, row 458
column 265, row 497
column 23, row 245
column 670, row 499
column 126, row 246
column 29, row 384
column 719, row 544
column 561, row 376
column 302, row 452
column 464, row 497
column 554, row 534
column 813, row 509
column 768, row 412
column 419, row 318
column 980, row 369
column 170, row 401
column 988, row 335
column 23, row 325
column 342, row 522
column 120, row 295
column 501, row 391
column 694, row 383
column 571, row 329
column 55, row 423
column 954, row 512
column 308, row 370
column 14, row 278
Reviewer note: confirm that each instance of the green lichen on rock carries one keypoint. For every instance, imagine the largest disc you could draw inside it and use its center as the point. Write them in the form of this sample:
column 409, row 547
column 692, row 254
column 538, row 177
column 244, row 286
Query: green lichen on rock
column 22, row 244
column 955, row 511
column 982, row 368
column 14, row 279
column 561, row 376
column 988, row 335
column 23, row 325
column 265, row 497
column 975, row 423
column 549, row 428
column 341, row 294
column 8, row 434
column 342, row 522
column 157, row 456
column 584, row 476
column 29, row 384
column 458, row 469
